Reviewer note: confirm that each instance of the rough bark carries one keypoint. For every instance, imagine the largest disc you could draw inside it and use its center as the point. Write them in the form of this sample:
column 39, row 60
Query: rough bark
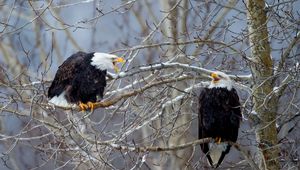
column 262, row 69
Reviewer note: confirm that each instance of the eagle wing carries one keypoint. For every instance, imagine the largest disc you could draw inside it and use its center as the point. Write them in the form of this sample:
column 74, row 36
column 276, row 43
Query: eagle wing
column 65, row 74
column 224, row 104
column 201, row 125
column 227, row 103
column 234, row 101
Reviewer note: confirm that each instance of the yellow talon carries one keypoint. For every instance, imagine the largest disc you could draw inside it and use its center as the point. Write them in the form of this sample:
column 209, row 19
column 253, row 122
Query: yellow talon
column 83, row 106
column 91, row 105
column 88, row 105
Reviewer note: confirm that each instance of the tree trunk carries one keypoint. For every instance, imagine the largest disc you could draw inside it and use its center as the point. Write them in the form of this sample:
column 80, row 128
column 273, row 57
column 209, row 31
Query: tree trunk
column 179, row 126
column 262, row 68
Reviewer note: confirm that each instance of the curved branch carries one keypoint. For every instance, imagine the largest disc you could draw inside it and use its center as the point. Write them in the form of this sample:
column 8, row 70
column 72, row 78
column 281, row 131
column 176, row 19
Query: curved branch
column 288, row 51
column 148, row 148
column 186, row 67
column 113, row 101
column 111, row 144
column 197, row 41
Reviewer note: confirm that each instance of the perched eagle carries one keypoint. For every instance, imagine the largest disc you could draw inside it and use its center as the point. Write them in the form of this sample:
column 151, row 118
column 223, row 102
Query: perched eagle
column 219, row 117
column 81, row 79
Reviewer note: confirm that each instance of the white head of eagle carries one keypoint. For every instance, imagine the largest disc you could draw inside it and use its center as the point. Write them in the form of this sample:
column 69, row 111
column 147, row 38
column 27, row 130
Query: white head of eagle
column 219, row 117
column 220, row 79
column 81, row 79
column 104, row 61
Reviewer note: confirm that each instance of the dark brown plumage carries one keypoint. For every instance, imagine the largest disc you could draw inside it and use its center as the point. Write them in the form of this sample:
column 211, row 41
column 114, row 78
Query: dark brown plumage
column 81, row 79
column 219, row 117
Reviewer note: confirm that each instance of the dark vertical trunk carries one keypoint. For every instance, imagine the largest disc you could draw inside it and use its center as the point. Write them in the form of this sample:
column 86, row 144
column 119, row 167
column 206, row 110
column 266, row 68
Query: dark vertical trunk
column 262, row 69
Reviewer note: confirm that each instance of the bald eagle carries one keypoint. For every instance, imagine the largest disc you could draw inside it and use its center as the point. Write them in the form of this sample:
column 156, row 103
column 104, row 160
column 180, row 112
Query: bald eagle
column 219, row 117
column 81, row 79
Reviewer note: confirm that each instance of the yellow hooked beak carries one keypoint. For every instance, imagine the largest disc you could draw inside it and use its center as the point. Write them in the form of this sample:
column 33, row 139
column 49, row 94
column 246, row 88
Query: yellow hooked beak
column 118, row 60
column 215, row 77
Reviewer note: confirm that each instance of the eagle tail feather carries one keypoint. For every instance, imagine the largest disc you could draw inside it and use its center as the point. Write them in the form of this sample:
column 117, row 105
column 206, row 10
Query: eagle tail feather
column 221, row 159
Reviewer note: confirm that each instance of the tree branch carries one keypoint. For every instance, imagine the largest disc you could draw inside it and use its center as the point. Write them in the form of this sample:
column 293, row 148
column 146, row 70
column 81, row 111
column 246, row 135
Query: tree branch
column 185, row 67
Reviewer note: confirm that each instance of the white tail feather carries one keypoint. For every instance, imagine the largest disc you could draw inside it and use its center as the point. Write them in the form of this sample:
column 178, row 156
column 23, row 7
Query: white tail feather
column 215, row 151
column 60, row 101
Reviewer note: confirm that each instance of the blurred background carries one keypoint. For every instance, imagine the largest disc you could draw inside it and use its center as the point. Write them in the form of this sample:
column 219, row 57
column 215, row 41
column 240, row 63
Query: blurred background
column 36, row 36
